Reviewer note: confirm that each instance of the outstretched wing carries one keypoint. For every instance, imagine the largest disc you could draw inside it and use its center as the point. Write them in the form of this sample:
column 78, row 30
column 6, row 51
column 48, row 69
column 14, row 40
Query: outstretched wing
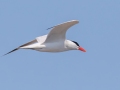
column 58, row 33
column 31, row 42
column 39, row 40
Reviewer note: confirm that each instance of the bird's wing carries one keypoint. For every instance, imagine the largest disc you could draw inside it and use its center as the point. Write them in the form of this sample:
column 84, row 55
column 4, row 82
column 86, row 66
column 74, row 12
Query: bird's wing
column 41, row 39
column 29, row 43
column 58, row 33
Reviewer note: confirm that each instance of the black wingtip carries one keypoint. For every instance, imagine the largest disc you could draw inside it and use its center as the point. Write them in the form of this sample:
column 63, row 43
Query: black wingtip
column 50, row 27
column 11, row 51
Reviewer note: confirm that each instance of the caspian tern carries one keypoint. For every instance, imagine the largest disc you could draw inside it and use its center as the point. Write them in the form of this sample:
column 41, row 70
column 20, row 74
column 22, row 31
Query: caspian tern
column 55, row 41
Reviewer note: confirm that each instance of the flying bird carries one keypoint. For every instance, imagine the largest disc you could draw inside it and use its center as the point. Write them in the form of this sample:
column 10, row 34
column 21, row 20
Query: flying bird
column 54, row 41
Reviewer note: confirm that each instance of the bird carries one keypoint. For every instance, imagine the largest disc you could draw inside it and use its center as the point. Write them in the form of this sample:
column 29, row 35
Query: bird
column 54, row 41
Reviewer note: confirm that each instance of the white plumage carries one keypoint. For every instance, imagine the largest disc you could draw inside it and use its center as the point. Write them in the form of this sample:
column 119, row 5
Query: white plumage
column 55, row 41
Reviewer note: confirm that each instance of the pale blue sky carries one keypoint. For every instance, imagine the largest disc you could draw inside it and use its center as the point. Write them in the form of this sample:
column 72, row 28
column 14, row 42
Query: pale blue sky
column 98, row 32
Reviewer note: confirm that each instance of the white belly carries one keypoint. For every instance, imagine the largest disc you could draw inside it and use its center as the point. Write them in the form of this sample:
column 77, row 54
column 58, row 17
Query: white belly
column 53, row 47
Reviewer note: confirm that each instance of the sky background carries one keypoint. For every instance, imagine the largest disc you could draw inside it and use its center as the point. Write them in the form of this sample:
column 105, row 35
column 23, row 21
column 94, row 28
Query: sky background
column 98, row 32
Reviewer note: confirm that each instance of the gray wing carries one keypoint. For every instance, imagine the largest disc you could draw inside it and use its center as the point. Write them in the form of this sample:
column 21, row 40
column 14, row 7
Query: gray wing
column 58, row 33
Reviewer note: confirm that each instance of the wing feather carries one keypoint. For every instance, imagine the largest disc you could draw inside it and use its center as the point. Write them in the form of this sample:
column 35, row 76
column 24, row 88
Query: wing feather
column 58, row 33
column 31, row 42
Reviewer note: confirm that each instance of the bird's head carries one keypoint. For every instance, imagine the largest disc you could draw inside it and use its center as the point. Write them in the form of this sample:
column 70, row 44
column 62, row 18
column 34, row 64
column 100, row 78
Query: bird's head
column 75, row 46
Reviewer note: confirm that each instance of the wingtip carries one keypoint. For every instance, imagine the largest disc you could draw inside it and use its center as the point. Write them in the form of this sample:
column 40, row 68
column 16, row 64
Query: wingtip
column 3, row 55
column 50, row 28
column 10, row 51
column 77, row 21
